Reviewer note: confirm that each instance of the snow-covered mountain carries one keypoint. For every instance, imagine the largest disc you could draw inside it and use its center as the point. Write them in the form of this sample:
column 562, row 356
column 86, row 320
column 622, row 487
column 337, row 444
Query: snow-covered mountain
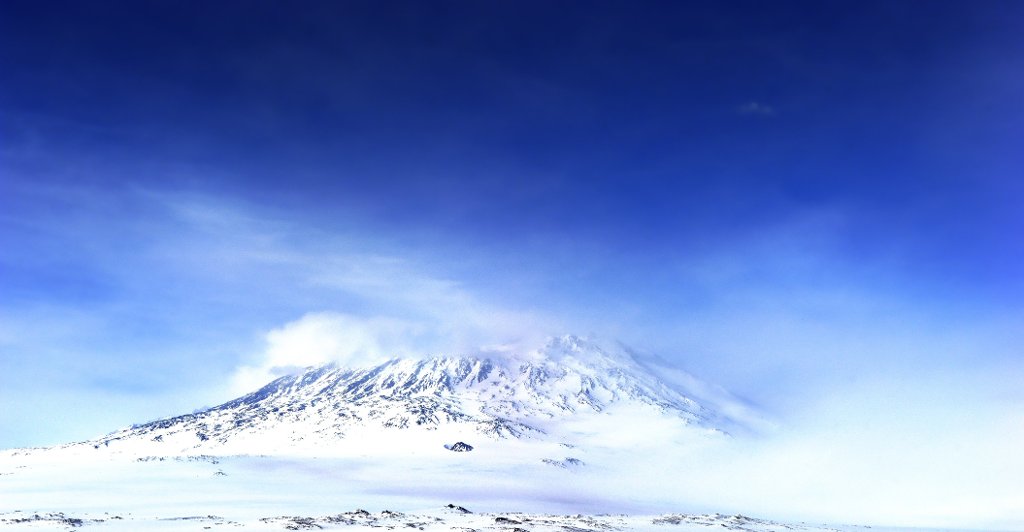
column 571, row 426
column 561, row 393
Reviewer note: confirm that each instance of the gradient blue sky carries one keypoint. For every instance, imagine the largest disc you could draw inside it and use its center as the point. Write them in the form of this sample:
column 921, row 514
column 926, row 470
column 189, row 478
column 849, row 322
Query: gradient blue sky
column 814, row 204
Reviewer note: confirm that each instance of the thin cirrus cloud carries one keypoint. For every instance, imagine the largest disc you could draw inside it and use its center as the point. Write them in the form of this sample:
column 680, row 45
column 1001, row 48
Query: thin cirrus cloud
column 187, row 276
column 753, row 108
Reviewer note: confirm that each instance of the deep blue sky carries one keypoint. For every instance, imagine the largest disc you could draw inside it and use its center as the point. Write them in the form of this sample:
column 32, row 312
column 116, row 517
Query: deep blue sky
column 788, row 198
column 648, row 129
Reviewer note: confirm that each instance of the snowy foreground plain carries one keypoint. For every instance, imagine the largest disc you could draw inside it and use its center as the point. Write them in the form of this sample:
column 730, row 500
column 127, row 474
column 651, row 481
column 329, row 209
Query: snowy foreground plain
column 39, row 492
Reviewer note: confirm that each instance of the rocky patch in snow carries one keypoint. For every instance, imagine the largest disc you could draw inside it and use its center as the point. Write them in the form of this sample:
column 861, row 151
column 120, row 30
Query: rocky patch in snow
column 565, row 463
column 459, row 447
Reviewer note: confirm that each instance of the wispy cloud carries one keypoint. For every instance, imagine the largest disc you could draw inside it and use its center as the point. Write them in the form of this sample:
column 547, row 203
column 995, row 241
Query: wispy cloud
column 325, row 337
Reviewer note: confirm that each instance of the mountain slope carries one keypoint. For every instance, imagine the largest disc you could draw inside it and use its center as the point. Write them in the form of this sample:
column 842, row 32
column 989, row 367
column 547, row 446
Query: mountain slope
column 556, row 394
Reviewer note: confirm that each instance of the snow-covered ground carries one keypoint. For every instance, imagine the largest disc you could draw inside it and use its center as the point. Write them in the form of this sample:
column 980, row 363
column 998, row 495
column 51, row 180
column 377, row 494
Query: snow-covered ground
column 450, row 517
column 44, row 490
